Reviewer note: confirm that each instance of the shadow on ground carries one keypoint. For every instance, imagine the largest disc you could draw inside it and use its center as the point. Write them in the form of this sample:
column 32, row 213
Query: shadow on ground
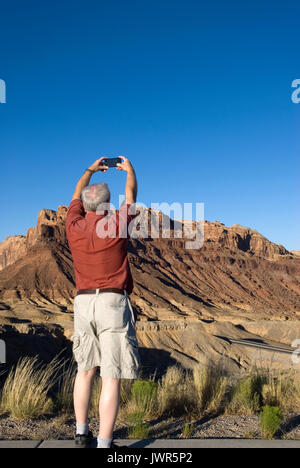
column 155, row 362
column 291, row 424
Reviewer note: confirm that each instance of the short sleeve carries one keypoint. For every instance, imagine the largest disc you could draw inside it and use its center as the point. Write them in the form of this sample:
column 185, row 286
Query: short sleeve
column 75, row 213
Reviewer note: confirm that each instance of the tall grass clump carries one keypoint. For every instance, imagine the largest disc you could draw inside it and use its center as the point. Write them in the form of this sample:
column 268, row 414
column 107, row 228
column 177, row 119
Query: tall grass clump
column 64, row 396
column 174, row 396
column 25, row 394
column 247, row 395
column 270, row 421
column 210, row 386
column 126, row 386
column 282, row 389
column 297, row 392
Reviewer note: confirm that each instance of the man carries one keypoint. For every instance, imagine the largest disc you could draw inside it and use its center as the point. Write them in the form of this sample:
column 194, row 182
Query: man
column 105, row 332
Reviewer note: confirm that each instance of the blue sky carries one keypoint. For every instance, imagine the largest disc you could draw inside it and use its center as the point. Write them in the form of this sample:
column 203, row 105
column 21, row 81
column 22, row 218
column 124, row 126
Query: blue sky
column 196, row 94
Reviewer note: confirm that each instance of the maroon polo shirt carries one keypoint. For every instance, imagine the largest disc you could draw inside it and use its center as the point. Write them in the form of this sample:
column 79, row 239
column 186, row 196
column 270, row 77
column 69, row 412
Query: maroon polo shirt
column 99, row 251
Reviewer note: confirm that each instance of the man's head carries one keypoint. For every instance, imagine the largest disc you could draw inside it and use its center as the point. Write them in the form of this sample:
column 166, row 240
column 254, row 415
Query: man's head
column 93, row 195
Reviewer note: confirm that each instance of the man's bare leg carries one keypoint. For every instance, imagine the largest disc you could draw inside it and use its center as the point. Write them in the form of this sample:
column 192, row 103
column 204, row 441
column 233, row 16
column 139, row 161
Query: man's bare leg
column 82, row 394
column 109, row 406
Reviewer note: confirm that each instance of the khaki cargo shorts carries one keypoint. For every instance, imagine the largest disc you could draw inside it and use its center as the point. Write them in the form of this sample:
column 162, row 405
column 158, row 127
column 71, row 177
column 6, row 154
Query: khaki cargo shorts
column 105, row 335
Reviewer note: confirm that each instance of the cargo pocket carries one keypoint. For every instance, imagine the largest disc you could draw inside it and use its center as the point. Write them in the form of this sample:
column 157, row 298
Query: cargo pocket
column 78, row 343
column 132, row 360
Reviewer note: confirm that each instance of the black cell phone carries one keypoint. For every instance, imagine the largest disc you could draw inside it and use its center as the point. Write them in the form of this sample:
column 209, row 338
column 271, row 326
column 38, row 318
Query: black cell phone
column 111, row 162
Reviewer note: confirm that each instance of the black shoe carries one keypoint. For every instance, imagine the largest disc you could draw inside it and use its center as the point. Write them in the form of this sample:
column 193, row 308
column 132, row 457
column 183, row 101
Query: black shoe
column 83, row 441
column 116, row 447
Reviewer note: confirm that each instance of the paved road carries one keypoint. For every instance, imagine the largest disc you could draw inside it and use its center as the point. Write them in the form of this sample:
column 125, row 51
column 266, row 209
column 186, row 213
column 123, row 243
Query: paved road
column 177, row 444
column 258, row 345
column 264, row 346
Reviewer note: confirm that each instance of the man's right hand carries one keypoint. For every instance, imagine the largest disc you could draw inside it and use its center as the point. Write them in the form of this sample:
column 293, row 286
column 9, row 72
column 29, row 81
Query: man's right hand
column 99, row 166
column 125, row 165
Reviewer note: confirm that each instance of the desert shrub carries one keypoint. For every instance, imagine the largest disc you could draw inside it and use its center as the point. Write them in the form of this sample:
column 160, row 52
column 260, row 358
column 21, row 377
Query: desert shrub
column 138, row 428
column 144, row 395
column 247, row 395
column 142, row 400
column 210, row 387
column 271, row 419
column 25, row 393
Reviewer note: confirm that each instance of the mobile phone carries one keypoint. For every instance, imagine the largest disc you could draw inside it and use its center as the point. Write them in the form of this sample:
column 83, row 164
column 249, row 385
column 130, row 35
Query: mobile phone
column 111, row 162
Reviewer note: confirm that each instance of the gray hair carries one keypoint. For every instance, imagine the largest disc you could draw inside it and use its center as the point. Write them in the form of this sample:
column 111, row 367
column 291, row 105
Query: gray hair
column 94, row 195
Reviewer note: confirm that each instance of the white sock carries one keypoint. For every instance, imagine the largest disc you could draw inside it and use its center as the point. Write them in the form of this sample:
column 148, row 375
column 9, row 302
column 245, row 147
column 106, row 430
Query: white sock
column 82, row 429
column 104, row 443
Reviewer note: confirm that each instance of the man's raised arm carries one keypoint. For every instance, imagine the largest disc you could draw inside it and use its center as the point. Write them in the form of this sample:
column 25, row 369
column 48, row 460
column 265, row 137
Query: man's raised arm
column 131, row 183
column 85, row 179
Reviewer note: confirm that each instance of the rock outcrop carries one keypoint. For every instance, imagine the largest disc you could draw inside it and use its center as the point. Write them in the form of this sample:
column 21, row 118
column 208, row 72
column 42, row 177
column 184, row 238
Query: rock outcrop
column 13, row 248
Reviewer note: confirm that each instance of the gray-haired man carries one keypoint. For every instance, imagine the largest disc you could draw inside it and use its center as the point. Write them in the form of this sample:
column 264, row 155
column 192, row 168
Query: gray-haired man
column 105, row 333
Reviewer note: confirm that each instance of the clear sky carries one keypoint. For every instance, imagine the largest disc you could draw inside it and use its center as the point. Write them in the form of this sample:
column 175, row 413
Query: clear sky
column 197, row 94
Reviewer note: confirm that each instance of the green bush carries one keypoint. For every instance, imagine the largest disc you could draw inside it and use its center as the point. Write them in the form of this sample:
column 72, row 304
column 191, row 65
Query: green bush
column 138, row 428
column 247, row 396
column 270, row 421
column 144, row 395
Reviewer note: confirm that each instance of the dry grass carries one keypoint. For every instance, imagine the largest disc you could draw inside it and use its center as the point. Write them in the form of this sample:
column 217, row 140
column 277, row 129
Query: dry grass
column 296, row 381
column 282, row 390
column 64, row 397
column 174, row 394
column 25, row 393
column 126, row 386
column 210, row 387
column 192, row 394
column 28, row 392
